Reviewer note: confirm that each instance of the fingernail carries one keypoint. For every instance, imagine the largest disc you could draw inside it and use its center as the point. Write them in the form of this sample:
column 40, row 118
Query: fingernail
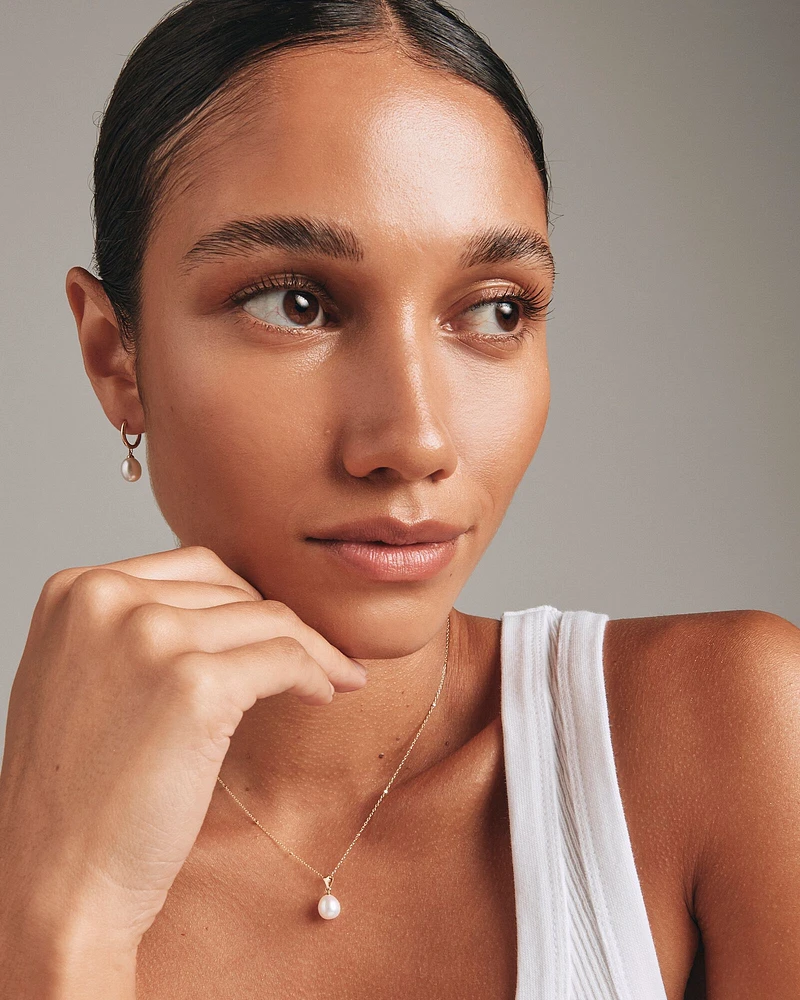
column 361, row 667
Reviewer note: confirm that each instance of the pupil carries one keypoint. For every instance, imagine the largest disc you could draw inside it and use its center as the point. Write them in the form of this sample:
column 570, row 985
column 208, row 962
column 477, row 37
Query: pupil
column 507, row 315
column 300, row 308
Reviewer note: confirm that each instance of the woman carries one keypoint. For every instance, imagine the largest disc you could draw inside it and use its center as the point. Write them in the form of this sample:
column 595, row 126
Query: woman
column 323, row 280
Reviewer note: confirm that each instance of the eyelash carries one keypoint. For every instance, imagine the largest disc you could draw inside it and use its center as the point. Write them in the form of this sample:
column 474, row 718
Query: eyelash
column 533, row 301
column 287, row 280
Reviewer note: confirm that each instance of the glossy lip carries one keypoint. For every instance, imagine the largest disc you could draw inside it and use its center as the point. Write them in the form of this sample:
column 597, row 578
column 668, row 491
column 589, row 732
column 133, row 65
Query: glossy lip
column 389, row 549
column 391, row 531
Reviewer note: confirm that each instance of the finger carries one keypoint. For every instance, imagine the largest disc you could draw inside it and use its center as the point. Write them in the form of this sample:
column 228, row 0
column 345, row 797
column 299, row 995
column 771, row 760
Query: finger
column 186, row 616
column 244, row 674
column 226, row 626
column 183, row 593
column 192, row 562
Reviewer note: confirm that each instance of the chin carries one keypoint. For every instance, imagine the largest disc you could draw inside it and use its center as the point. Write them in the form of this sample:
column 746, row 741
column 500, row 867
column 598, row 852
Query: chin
column 382, row 629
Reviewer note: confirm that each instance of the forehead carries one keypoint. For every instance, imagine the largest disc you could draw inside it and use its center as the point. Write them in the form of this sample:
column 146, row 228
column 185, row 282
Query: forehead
column 359, row 132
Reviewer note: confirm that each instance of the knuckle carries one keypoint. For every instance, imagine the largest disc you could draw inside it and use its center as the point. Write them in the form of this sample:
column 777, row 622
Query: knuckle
column 309, row 679
column 204, row 555
column 191, row 679
column 290, row 648
column 58, row 583
column 280, row 611
column 153, row 629
column 55, row 589
column 98, row 588
column 208, row 563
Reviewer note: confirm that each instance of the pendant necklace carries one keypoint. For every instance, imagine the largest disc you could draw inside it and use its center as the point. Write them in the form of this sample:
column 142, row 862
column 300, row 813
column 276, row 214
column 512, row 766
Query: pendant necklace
column 329, row 906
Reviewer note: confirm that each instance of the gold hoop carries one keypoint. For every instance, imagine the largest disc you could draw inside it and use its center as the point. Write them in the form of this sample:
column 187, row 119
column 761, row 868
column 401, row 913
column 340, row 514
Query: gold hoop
column 125, row 440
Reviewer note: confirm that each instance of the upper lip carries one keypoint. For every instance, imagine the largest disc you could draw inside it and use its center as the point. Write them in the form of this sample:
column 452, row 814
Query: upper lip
column 391, row 531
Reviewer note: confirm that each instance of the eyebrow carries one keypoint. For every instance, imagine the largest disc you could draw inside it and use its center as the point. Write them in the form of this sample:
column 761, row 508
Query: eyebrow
column 296, row 233
column 317, row 238
column 508, row 243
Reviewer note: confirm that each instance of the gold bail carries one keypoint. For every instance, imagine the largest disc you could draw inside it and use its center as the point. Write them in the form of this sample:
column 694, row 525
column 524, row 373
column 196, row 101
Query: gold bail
column 327, row 879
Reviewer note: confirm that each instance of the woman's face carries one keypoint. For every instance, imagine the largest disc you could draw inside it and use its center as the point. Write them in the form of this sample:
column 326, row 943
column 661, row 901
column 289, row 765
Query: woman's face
column 375, row 385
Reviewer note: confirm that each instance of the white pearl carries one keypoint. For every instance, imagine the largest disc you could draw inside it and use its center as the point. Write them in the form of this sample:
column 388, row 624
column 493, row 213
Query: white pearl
column 329, row 906
column 131, row 470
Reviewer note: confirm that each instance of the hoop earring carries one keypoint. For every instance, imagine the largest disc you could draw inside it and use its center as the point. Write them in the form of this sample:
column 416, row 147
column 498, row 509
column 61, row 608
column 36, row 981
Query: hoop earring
column 131, row 469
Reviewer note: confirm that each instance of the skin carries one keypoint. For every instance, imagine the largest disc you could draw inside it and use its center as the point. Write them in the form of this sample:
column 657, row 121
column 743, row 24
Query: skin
column 256, row 438
column 383, row 414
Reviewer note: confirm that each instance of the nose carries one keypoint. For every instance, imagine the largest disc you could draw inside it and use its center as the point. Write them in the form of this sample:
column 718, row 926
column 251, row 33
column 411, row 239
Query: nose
column 396, row 406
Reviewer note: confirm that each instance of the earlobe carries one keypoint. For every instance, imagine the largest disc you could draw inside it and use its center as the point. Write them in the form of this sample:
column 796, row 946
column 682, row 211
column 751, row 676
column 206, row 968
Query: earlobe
column 108, row 364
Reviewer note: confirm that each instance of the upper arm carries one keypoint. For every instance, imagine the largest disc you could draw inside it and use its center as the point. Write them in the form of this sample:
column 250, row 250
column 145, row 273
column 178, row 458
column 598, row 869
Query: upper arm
column 747, row 874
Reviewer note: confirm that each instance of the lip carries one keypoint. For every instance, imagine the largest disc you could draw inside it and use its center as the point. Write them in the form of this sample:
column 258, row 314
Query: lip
column 391, row 531
column 388, row 549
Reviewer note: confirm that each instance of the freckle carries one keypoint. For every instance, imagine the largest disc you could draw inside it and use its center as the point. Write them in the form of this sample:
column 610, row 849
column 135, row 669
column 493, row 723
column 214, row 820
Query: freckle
column 57, row 766
column 446, row 742
column 183, row 933
column 246, row 788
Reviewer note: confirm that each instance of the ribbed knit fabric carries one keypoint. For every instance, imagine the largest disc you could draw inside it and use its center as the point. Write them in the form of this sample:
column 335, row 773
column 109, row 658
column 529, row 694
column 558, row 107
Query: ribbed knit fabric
column 582, row 927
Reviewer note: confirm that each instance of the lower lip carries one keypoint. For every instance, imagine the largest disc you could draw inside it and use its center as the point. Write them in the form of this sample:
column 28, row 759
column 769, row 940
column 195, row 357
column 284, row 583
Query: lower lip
column 392, row 562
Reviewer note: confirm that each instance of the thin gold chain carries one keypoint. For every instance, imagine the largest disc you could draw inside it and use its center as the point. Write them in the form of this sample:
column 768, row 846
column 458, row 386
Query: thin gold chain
column 327, row 879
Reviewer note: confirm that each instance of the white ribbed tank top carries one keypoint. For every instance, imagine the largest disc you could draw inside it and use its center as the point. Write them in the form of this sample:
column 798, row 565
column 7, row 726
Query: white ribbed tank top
column 582, row 927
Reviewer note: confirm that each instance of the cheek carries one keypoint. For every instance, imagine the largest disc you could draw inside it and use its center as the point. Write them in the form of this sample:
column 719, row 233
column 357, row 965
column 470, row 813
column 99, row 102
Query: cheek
column 229, row 435
column 502, row 421
column 240, row 437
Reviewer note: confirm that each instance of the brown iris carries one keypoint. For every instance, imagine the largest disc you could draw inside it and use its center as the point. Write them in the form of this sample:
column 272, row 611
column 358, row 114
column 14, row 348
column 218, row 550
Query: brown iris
column 507, row 315
column 300, row 307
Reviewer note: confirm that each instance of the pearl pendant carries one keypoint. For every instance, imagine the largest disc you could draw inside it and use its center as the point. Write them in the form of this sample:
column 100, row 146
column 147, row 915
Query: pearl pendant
column 131, row 469
column 329, row 906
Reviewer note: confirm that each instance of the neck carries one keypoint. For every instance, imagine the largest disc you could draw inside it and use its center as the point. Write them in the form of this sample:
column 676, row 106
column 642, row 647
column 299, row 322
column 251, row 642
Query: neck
column 293, row 765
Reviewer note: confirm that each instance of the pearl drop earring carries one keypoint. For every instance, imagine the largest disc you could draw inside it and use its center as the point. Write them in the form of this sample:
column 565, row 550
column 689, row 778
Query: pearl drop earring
column 130, row 468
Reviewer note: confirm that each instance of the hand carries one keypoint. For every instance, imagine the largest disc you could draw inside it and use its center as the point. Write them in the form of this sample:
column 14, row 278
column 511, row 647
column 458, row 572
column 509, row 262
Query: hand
column 134, row 677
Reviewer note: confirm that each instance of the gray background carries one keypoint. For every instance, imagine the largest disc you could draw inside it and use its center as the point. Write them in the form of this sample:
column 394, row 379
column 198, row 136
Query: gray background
column 667, row 478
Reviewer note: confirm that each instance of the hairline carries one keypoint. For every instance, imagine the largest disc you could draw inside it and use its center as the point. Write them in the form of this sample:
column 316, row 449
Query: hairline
column 169, row 169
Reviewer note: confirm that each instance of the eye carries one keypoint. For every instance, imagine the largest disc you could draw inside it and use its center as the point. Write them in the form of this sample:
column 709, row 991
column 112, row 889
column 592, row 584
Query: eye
column 486, row 317
column 291, row 307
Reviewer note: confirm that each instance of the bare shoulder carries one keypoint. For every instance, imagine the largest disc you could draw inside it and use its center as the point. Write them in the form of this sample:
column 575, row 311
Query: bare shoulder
column 711, row 679
column 705, row 717
column 694, row 659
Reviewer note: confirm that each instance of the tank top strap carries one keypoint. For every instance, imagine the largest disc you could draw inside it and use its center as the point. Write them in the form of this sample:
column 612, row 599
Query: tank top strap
column 528, row 643
column 582, row 926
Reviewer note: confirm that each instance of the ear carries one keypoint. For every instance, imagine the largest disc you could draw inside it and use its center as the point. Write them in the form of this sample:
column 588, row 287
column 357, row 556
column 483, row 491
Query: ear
column 109, row 366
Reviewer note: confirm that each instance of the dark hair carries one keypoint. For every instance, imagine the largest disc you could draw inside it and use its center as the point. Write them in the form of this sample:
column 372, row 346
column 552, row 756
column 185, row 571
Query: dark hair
column 182, row 66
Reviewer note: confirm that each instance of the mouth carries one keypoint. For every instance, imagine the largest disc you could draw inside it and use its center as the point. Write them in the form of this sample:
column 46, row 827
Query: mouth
column 387, row 549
